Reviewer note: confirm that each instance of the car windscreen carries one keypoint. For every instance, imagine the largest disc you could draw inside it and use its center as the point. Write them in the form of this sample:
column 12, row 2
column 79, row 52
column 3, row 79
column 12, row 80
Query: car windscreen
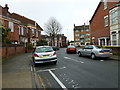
column 71, row 46
column 98, row 47
column 44, row 49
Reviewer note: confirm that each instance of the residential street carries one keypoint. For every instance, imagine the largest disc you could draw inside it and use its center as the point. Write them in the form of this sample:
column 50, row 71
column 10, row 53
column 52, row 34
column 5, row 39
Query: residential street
column 71, row 71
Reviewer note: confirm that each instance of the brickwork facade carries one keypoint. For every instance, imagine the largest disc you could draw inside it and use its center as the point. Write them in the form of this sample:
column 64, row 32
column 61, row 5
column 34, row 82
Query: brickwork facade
column 23, row 29
column 81, row 35
column 100, row 24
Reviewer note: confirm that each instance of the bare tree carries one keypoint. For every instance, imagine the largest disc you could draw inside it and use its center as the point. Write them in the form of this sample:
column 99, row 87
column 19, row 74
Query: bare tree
column 52, row 28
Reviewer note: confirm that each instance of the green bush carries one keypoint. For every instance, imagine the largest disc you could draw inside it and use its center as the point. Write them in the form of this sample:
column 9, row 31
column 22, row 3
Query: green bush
column 30, row 46
column 42, row 43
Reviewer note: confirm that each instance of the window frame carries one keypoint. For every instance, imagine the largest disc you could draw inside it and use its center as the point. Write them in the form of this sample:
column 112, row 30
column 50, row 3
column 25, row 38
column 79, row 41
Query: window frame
column 11, row 26
column 106, row 23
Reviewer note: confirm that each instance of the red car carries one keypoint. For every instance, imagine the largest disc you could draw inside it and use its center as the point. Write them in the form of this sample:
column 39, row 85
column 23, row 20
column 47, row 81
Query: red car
column 71, row 49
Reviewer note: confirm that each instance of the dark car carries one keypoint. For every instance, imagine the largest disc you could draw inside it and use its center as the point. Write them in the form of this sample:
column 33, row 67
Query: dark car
column 55, row 48
column 71, row 49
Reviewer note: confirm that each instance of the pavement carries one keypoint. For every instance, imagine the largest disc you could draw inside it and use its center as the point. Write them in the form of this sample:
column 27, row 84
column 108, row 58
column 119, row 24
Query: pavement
column 115, row 57
column 17, row 73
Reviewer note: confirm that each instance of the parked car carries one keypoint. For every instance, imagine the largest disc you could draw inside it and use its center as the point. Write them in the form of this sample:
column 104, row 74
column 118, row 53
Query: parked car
column 55, row 48
column 95, row 51
column 43, row 54
column 71, row 49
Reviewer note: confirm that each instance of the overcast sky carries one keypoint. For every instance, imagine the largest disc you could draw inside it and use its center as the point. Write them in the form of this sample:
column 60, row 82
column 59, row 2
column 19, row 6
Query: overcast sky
column 67, row 12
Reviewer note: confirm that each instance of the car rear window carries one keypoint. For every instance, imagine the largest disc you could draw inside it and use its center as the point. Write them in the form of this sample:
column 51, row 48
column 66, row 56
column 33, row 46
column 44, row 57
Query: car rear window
column 44, row 49
column 71, row 46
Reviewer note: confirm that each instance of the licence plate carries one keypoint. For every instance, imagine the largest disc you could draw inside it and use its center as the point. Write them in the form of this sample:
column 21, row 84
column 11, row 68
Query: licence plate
column 106, row 52
column 46, row 55
column 72, row 49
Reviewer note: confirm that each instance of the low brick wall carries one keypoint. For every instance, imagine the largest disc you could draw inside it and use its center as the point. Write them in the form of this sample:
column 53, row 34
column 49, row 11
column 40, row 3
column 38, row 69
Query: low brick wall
column 12, row 50
column 115, row 50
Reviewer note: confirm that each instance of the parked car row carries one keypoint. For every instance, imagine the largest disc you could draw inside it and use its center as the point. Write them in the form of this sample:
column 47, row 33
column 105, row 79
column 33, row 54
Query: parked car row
column 93, row 51
column 43, row 54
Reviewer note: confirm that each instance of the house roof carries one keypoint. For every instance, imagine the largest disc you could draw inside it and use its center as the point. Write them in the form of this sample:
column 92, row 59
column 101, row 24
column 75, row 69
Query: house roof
column 99, row 6
column 23, row 20
column 116, row 5
column 79, row 27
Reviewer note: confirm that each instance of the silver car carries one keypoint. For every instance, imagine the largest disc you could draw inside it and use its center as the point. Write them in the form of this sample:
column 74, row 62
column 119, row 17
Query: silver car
column 43, row 54
column 95, row 51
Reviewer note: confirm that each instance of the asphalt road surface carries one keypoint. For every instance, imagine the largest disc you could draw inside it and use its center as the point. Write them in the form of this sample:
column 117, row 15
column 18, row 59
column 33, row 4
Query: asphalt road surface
column 76, row 72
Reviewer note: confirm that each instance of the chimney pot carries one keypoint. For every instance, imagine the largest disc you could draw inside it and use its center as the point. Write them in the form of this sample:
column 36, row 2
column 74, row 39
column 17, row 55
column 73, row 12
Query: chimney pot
column 74, row 25
column 6, row 6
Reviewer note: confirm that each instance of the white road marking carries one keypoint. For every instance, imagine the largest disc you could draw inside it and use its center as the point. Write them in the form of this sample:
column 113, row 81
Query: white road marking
column 73, row 59
column 67, row 58
column 51, row 69
column 101, row 60
column 31, row 69
column 59, row 82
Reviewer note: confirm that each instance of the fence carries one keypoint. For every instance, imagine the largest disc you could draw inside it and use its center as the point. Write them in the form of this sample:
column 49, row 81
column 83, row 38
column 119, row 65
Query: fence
column 11, row 50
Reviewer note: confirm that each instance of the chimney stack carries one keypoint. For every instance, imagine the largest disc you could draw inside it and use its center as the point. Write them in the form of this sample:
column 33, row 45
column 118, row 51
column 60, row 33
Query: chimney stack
column 74, row 25
column 6, row 7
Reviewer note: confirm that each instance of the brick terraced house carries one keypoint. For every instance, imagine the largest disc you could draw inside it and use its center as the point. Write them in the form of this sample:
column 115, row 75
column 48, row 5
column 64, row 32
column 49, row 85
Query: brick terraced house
column 60, row 40
column 9, row 22
column 23, row 29
column 81, row 35
column 115, row 25
column 100, row 23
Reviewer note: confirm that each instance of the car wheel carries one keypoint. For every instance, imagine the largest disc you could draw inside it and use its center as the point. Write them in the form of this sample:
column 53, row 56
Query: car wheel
column 35, row 64
column 55, row 62
column 93, row 56
column 79, row 53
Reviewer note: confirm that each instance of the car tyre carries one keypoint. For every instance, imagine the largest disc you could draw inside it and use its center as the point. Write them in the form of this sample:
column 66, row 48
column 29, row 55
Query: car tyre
column 67, row 52
column 93, row 56
column 55, row 62
column 35, row 64
column 79, row 53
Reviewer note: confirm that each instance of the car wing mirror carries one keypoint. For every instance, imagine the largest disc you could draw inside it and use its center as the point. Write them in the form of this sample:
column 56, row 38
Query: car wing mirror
column 33, row 51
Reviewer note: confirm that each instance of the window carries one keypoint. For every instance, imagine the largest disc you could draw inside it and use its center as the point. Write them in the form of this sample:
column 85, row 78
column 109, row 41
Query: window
column 32, row 31
column 87, row 34
column 119, row 34
column 113, row 15
column 114, row 37
column 105, row 4
column 86, row 47
column 19, row 30
column 90, row 47
column 76, row 35
column 36, row 33
column 22, row 30
column 106, row 21
column 27, row 29
column 87, row 30
column 76, row 31
column 119, row 15
column 87, row 38
column 11, row 26
column 114, row 42
column 77, row 39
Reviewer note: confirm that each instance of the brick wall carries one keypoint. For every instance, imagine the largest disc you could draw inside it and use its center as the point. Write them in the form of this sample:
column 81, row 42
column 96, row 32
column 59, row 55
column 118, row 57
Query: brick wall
column 12, row 50
column 97, row 27
column 115, row 50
